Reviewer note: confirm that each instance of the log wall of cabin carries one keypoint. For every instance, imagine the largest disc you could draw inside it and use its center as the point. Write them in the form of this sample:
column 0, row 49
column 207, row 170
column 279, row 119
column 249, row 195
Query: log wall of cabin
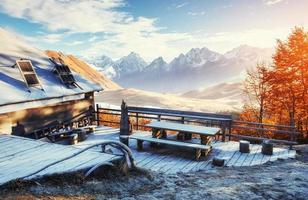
column 30, row 119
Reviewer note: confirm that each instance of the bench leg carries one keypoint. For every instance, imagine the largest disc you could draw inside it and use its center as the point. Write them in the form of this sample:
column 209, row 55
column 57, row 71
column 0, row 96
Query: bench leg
column 206, row 152
column 139, row 145
column 187, row 136
column 197, row 154
column 154, row 133
column 180, row 136
column 163, row 133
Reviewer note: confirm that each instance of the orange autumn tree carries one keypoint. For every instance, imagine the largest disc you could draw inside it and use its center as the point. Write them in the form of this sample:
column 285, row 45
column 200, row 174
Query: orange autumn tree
column 256, row 87
column 280, row 92
column 289, row 80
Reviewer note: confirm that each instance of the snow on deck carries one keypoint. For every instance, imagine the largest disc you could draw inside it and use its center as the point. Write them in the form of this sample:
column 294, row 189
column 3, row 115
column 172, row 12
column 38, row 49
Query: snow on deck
column 20, row 157
column 174, row 159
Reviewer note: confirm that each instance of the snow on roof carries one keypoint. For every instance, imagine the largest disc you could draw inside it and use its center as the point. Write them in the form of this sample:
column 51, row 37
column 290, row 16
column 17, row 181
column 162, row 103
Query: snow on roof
column 12, row 86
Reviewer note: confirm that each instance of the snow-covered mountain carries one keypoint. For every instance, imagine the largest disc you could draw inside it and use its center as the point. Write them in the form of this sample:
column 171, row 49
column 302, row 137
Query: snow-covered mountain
column 115, row 69
column 198, row 68
column 250, row 53
column 129, row 64
column 196, row 57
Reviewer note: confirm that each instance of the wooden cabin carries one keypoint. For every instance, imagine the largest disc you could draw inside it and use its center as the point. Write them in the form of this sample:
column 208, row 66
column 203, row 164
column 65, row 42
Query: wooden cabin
column 38, row 91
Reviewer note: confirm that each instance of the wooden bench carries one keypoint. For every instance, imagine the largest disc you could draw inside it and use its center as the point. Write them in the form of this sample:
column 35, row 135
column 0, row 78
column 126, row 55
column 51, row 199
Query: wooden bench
column 199, row 148
column 159, row 129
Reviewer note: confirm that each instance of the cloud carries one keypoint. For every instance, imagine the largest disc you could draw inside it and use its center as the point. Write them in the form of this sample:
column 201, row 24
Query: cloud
column 182, row 5
column 196, row 13
column 116, row 33
column 77, row 16
column 271, row 2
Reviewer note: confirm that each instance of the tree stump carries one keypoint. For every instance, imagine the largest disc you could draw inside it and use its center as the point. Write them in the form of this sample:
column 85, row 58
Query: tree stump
column 267, row 147
column 244, row 146
column 73, row 139
column 82, row 136
column 219, row 162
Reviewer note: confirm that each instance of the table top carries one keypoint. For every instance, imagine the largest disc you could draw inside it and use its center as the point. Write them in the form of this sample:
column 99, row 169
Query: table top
column 189, row 128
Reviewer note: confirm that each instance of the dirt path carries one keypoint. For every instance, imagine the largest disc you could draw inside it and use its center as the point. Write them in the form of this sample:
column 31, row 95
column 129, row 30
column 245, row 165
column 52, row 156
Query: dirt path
column 284, row 179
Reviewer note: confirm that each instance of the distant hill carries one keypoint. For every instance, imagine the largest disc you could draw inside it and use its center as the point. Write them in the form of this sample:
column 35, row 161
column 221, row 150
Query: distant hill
column 198, row 68
column 85, row 70
column 135, row 97
column 224, row 90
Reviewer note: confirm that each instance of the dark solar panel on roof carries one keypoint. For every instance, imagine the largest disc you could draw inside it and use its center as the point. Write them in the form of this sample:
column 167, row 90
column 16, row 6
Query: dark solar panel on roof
column 28, row 73
column 31, row 79
column 65, row 75
column 25, row 66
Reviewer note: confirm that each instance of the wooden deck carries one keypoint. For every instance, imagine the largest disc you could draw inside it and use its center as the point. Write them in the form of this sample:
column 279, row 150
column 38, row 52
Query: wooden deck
column 20, row 157
column 173, row 160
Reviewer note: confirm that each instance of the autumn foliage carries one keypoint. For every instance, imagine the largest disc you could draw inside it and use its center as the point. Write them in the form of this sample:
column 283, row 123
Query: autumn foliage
column 278, row 93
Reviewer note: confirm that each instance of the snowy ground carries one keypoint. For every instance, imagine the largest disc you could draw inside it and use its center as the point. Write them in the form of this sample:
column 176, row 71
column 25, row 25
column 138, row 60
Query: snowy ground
column 285, row 179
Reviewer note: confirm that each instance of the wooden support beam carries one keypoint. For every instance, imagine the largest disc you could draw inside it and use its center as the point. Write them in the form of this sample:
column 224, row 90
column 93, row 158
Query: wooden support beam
column 139, row 145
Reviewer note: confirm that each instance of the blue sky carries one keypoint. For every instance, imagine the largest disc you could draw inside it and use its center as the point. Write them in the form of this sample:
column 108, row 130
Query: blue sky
column 151, row 28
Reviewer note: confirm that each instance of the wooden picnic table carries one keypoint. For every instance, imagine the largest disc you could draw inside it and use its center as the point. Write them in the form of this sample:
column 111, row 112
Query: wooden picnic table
column 160, row 128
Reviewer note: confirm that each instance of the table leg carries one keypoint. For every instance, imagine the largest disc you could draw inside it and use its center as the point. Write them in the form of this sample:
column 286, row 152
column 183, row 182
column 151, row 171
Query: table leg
column 154, row 135
column 205, row 140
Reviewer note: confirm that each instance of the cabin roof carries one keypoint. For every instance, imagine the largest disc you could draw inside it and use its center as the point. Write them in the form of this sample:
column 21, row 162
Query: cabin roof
column 14, row 89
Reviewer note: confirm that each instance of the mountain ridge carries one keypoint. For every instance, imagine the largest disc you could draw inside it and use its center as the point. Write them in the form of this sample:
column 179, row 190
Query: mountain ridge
column 199, row 67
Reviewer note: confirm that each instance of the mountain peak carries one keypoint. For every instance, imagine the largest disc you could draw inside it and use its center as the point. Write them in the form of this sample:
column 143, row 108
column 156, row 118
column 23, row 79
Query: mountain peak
column 248, row 52
column 158, row 60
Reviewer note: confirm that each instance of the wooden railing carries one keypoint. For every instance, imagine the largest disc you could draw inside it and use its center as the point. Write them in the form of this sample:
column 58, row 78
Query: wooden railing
column 82, row 119
column 140, row 116
column 231, row 129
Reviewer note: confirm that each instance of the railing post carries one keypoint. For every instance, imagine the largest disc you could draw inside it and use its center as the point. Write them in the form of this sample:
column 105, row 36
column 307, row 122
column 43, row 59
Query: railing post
column 230, row 129
column 97, row 114
column 137, row 121
column 223, row 132
column 159, row 117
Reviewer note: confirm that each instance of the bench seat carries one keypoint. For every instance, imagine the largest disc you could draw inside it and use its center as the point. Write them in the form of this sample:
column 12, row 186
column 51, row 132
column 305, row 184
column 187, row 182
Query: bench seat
column 197, row 147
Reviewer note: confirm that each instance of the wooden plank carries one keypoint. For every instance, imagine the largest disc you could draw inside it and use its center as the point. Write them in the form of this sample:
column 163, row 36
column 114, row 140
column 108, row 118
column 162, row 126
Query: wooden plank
column 176, row 165
column 22, row 168
column 257, row 159
column 254, row 149
column 83, row 160
column 4, row 138
column 227, row 150
column 150, row 164
column 163, row 162
column 170, row 142
column 147, row 160
column 202, row 130
column 241, row 159
column 16, row 151
column 35, row 156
